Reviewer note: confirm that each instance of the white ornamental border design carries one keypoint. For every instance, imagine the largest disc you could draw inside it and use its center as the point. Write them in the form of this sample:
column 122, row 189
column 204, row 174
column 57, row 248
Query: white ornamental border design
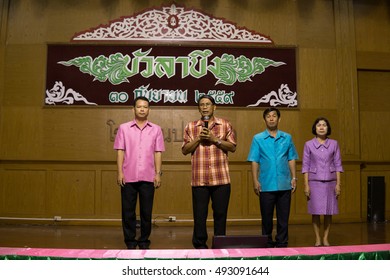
column 172, row 23
column 58, row 94
column 284, row 96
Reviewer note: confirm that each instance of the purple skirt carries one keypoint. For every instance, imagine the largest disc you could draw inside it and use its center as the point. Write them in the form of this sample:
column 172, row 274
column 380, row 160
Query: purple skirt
column 323, row 199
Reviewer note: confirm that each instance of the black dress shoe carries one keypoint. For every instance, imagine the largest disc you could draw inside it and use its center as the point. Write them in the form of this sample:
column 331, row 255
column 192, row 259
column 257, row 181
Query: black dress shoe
column 143, row 246
column 131, row 247
column 270, row 244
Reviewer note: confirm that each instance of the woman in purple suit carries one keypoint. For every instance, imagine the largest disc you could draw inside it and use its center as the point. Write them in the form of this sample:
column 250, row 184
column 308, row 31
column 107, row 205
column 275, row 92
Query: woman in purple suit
column 321, row 166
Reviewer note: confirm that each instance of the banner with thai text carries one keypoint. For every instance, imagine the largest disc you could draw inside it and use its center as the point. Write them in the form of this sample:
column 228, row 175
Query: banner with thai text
column 108, row 75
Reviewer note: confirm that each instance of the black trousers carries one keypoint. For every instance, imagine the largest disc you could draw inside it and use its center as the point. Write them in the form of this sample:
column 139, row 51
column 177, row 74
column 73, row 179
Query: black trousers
column 282, row 201
column 129, row 194
column 201, row 196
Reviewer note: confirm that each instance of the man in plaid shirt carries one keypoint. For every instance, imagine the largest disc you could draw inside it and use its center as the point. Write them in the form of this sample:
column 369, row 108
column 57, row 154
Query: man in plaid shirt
column 209, row 140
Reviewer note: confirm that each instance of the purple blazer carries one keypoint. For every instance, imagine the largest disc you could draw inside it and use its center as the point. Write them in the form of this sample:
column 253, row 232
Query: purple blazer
column 321, row 161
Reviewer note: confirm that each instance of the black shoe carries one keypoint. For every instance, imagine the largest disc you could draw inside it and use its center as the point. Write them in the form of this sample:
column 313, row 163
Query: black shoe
column 143, row 246
column 271, row 244
column 131, row 247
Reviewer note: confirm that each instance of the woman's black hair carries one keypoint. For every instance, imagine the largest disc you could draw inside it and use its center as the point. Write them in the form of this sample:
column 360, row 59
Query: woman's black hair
column 313, row 129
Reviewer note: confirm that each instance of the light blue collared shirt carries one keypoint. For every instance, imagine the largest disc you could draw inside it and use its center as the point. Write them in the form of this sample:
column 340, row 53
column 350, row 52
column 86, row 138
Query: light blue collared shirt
column 273, row 155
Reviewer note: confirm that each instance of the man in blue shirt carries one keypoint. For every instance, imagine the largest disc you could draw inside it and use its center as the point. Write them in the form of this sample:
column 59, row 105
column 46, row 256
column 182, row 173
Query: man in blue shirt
column 273, row 156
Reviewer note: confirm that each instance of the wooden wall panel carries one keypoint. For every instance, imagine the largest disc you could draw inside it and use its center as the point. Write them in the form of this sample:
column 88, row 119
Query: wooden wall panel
column 372, row 34
column 374, row 91
column 350, row 198
column 314, row 29
column 25, row 75
column 372, row 24
column 373, row 61
column 346, row 82
column 238, row 194
column 52, row 21
column 75, row 135
column 299, row 201
column 253, row 203
column 174, row 196
column 72, row 193
column 23, row 193
column 110, row 195
column 77, row 195
column 374, row 137
column 373, row 54
column 21, row 135
column 374, row 103
column 317, row 79
column 261, row 18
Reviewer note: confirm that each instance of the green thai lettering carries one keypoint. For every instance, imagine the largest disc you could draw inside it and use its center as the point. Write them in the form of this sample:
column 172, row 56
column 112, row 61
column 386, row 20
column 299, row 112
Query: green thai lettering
column 156, row 95
column 165, row 66
column 227, row 69
column 185, row 65
column 220, row 96
column 198, row 65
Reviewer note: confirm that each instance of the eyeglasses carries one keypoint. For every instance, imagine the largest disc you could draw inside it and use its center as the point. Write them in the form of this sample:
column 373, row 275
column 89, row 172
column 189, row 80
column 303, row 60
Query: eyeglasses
column 205, row 104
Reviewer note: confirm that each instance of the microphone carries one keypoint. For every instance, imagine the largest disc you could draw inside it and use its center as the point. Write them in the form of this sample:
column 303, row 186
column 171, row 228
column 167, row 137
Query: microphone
column 206, row 121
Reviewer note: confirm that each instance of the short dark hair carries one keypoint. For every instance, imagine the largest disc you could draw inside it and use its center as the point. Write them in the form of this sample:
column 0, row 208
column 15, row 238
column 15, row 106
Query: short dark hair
column 269, row 110
column 313, row 128
column 140, row 98
column 208, row 97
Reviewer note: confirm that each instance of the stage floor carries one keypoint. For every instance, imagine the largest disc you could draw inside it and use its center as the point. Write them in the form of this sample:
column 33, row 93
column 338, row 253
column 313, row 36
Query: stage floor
column 358, row 252
column 175, row 237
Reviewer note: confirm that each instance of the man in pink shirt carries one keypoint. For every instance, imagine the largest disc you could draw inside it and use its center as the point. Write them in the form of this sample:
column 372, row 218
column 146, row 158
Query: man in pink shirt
column 139, row 144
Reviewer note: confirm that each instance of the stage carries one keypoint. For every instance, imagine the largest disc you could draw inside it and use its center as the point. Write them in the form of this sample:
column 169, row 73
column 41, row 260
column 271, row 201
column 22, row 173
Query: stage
column 48, row 242
column 361, row 252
